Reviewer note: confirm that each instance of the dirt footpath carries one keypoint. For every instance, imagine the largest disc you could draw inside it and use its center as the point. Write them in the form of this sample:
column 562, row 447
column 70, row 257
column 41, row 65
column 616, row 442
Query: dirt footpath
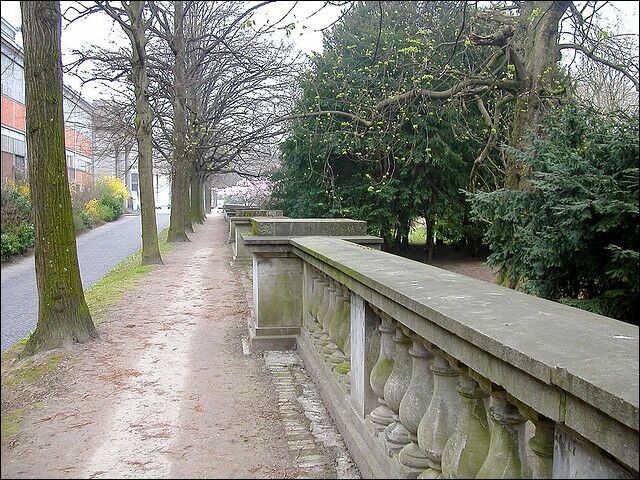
column 165, row 391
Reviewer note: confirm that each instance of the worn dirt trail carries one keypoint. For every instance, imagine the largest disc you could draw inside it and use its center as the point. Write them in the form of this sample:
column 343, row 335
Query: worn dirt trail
column 165, row 391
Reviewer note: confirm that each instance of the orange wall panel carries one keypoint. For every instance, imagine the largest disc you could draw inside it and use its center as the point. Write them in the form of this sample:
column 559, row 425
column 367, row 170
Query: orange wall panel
column 77, row 142
column 13, row 114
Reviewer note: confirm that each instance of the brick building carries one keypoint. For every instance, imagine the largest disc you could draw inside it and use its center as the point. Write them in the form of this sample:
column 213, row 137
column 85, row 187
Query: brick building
column 78, row 116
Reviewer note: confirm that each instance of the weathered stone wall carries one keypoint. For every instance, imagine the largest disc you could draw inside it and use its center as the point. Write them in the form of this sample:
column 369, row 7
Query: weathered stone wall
column 431, row 373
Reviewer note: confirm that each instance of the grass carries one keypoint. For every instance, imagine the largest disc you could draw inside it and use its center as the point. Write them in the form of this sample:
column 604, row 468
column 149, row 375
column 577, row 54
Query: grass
column 418, row 235
column 100, row 297
column 110, row 289
column 11, row 423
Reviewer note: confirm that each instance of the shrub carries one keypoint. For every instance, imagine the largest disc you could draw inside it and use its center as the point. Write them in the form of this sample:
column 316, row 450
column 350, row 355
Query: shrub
column 8, row 243
column 107, row 214
column 574, row 237
column 15, row 205
column 25, row 236
column 92, row 211
column 17, row 240
column 113, row 194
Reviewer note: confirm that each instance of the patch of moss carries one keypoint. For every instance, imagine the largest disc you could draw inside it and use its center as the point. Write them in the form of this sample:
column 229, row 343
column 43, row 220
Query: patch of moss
column 343, row 368
column 30, row 370
column 11, row 423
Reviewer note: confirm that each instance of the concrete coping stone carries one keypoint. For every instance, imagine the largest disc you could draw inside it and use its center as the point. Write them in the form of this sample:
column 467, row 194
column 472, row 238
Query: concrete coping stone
column 308, row 226
column 234, row 206
column 253, row 240
column 260, row 213
column 590, row 356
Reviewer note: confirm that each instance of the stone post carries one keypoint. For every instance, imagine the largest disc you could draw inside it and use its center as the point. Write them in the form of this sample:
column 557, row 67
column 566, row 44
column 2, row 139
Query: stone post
column 323, row 339
column 467, row 447
column 438, row 422
column 396, row 435
column 363, row 354
column 541, row 444
column 413, row 407
column 507, row 456
column 382, row 415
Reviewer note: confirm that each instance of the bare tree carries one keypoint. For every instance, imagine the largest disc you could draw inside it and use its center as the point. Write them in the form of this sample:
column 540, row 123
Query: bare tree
column 134, row 22
column 63, row 315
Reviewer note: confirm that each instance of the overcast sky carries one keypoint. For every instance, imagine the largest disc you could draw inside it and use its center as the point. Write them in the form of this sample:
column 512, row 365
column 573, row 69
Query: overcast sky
column 307, row 36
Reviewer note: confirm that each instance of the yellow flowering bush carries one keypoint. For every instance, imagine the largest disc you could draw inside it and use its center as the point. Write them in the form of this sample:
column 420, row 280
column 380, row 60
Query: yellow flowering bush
column 113, row 187
column 113, row 194
column 92, row 209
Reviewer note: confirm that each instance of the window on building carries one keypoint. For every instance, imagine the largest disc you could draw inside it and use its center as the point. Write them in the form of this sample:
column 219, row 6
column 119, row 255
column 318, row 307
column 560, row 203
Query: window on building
column 134, row 182
column 21, row 162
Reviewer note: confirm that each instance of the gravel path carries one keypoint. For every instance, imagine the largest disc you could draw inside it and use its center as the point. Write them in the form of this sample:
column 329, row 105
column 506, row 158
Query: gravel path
column 165, row 391
column 99, row 251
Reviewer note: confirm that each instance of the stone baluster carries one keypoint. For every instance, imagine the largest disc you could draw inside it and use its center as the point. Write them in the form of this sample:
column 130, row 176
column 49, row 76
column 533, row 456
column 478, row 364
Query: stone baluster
column 313, row 296
column 330, row 349
column 344, row 332
column 316, row 331
column 396, row 434
column 507, row 455
column 413, row 406
column 342, row 329
column 439, row 420
column 312, row 302
column 542, row 446
column 467, row 447
column 323, row 338
column 382, row 415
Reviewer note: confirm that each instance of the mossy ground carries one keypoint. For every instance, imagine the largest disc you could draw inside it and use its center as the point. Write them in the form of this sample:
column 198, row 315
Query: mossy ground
column 100, row 297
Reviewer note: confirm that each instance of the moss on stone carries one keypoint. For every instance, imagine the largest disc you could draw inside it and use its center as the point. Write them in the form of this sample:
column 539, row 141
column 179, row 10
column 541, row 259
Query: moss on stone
column 343, row 368
column 381, row 372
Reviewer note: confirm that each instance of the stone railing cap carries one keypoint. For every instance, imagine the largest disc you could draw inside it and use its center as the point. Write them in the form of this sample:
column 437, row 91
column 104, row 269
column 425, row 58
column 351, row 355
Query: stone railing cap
column 286, row 240
column 307, row 220
column 593, row 357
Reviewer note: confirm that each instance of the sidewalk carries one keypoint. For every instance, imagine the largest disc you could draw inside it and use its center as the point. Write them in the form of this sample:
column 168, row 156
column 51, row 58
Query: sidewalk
column 165, row 391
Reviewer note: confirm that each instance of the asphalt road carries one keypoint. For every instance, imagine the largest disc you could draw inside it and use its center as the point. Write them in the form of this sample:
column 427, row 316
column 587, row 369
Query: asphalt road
column 99, row 251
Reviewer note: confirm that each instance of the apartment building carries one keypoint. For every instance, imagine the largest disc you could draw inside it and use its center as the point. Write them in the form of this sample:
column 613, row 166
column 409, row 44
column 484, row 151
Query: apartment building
column 78, row 116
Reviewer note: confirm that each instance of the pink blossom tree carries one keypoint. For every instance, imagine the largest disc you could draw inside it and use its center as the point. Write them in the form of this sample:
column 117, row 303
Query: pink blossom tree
column 247, row 192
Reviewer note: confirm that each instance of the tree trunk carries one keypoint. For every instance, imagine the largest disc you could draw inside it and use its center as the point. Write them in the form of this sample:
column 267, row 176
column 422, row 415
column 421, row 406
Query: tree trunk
column 177, row 222
column 534, row 59
column 196, row 198
column 429, row 238
column 63, row 315
column 188, row 225
column 144, row 117
column 207, row 199
column 179, row 176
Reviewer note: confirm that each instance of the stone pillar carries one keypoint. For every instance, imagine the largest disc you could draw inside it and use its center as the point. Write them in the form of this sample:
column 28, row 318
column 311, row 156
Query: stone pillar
column 365, row 344
column 396, row 435
column 341, row 327
column 323, row 339
column 277, row 297
column 413, row 406
column 311, row 306
column 330, row 348
column 467, row 447
column 316, row 328
column 382, row 415
column 507, row 456
column 438, row 422
column 541, row 444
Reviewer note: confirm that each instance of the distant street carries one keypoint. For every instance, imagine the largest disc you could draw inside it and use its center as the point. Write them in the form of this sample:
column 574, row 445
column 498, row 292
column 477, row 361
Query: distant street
column 99, row 251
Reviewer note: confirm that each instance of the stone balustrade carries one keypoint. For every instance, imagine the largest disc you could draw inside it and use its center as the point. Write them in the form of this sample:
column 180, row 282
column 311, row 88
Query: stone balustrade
column 430, row 374
column 240, row 222
column 276, row 226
